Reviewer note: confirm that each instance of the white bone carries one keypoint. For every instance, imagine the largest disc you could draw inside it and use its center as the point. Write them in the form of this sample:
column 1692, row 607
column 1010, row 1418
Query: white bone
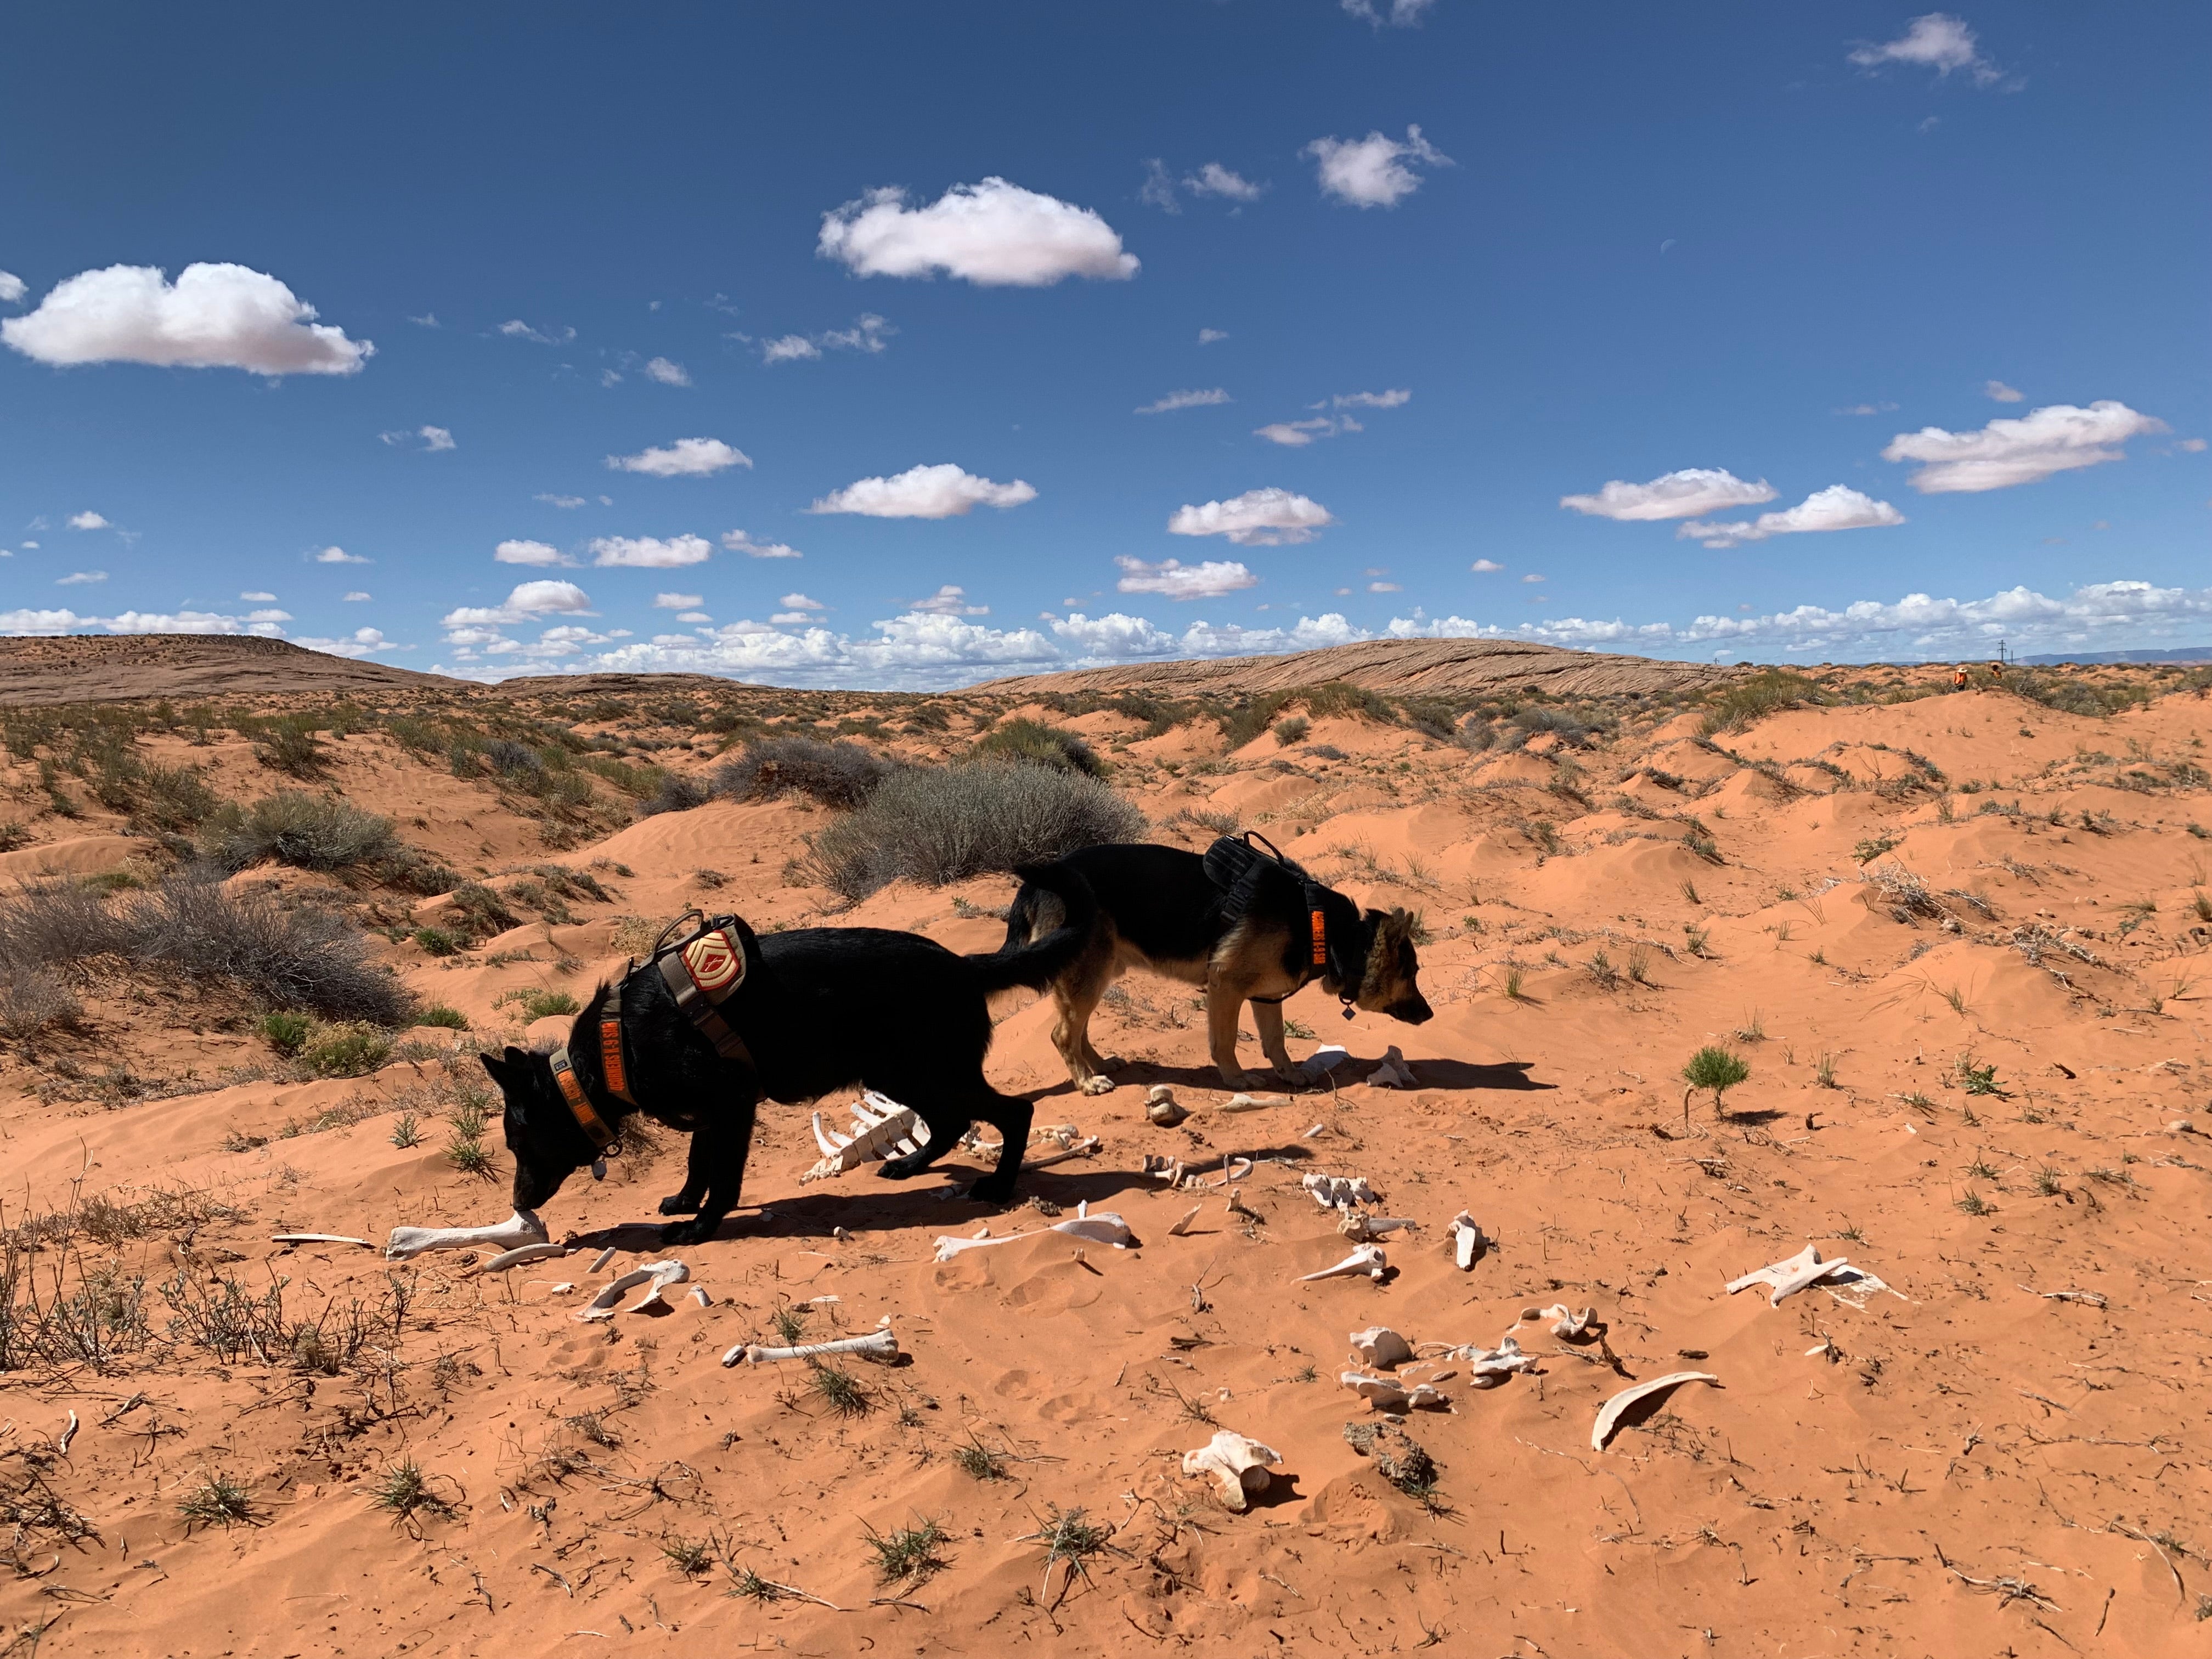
column 658, row 1275
column 522, row 1228
column 1237, row 1462
column 1323, row 1060
column 599, row 1261
column 320, row 1238
column 1608, row 1417
column 566, row 1287
column 1341, row 1192
column 1252, row 1103
column 1160, row 1106
column 1312, row 1132
column 1380, row 1348
column 1486, row 1367
column 1789, row 1277
column 1568, row 1325
column 1178, row 1176
column 1083, row 1148
column 878, row 1344
column 506, row 1258
column 881, row 1128
column 1393, row 1072
column 62, row 1442
column 1388, row 1393
column 699, row 1295
column 1362, row 1228
column 1183, row 1225
column 1368, row 1262
column 1467, row 1240
column 1105, row 1228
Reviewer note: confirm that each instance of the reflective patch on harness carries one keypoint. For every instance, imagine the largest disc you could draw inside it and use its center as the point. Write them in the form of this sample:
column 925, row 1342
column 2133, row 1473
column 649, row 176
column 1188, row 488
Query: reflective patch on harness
column 715, row 963
column 1320, row 941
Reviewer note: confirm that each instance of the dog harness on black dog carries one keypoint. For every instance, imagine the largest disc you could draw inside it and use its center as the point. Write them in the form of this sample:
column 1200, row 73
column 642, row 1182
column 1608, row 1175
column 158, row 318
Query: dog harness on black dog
column 701, row 971
column 1241, row 865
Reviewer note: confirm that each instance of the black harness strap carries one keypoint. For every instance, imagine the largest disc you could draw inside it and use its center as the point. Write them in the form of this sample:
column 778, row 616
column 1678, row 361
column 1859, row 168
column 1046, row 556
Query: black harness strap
column 1237, row 864
column 704, row 971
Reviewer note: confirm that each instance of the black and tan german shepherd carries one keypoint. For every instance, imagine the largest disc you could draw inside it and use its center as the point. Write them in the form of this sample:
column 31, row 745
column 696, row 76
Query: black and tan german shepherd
column 820, row 1008
column 1158, row 908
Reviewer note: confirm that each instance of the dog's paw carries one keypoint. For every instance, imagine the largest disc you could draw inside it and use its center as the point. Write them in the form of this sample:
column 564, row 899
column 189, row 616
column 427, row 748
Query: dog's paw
column 1098, row 1085
column 676, row 1204
column 688, row 1232
column 992, row 1189
column 900, row 1169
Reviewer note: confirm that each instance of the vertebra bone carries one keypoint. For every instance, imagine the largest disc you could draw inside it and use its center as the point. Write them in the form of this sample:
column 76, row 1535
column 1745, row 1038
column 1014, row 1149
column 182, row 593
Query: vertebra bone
column 1609, row 1417
column 1388, row 1393
column 1323, row 1061
column 658, row 1274
column 1160, row 1106
column 1362, row 1228
column 1380, row 1348
column 1368, row 1262
column 1237, row 1462
column 1393, row 1072
column 1570, row 1326
column 878, row 1344
column 1468, row 1241
column 880, row 1129
column 1788, row 1277
column 522, row 1228
column 1341, row 1192
column 1486, row 1367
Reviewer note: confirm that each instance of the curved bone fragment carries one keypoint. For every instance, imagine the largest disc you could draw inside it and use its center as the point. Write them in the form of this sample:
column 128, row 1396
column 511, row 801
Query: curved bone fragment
column 1486, row 1367
column 881, row 1128
column 699, row 1295
column 657, row 1276
column 1570, row 1326
column 1341, row 1192
column 1183, row 1225
column 515, row 1258
column 878, row 1344
column 61, row 1440
column 1252, row 1103
column 1323, row 1060
column 1388, row 1393
column 1608, row 1417
column 1105, row 1228
column 599, row 1261
column 522, row 1228
column 320, row 1238
column 1380, row 1348
column 1393, row 1072
column 1368, row 1262
column 1083, row 1148
column 1238, row 1464
column 1362, row 1228
column 1789, row 1277
column 1468, row 1241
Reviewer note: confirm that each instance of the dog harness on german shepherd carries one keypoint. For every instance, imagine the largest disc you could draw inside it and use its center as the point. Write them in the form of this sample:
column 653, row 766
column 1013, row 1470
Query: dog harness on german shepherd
column 1241, row 865
column 703, row 969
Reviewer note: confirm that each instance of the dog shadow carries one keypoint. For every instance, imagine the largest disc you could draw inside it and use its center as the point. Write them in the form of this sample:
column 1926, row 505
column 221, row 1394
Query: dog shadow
column 1456, row 1074
column 1512, row 1074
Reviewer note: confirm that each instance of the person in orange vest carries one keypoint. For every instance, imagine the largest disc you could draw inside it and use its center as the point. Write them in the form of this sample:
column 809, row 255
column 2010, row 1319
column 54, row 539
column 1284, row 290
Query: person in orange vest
column 1958, row 679
column 1997, row 671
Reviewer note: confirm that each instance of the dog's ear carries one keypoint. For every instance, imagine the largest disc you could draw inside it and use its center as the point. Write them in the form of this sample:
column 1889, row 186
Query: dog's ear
column 511, row 1067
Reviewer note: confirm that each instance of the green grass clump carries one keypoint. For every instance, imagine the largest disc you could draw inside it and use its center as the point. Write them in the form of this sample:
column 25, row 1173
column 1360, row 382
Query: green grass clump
column 911, row 1553
column 1039, row 744
column 348, row 1048
column 452, row 1019
column 285, row 1032
column 1715, row 1068
column 217, row 1501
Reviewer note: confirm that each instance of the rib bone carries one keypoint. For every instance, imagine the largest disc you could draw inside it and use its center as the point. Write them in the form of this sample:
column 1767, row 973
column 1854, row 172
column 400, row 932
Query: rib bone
column 522, row 1228
column 515, row 1258
column 880, row 1127
column 320, row 1238
column 1237, row 1462
column 878, row 1344
column 1368, row 1262
column 1608, row 1418
column 1468, row 1241
column 1388, row 1393
column 659, row 1275
column 1105, row 1228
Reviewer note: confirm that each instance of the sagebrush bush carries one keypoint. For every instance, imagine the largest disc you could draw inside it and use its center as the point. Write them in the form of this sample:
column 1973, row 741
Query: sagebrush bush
column 481, row 912
column 1291, row 728
column 310, row 832
column 303, row 958
column 34, row 1001
column 285, row 1033
column 679, row 792
column 438, row 1013
column 1765, row 693
column 289, row 746
column 348, row 1048
column 840, row 774
column 938, row 825
column 1039, row 744
column 173, row 798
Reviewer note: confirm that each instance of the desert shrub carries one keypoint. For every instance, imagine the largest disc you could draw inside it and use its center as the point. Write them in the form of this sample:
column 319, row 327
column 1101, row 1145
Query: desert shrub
column 937, row 824
column 2070, row 696
column 13, row 835
column 285, row 1033
column 348, row 1048
column 516, row 762
column 290, row 745
column 1291, row 728
column 310, row 832
column 1528, row 722
column 679, row 792
column 1039, row 744
column 1430, row 717
column 541, row 1003
column 1766, row 692
column 1475, row 734
column 295, row 959
column 451, row 1019
column 480, row 911
column 438, row 941
column 57, row 923
column 841, row 774
column 175, row 798
column 33, row 1000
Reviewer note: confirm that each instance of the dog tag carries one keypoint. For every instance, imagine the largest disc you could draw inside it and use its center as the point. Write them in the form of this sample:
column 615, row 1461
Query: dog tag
column 598, row 1168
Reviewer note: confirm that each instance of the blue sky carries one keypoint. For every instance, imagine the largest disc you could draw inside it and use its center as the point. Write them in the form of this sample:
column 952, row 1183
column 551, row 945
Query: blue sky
column 654, row 292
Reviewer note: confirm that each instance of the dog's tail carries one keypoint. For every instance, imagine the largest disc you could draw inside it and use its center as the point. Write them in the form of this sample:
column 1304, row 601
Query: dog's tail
column 1036, row 963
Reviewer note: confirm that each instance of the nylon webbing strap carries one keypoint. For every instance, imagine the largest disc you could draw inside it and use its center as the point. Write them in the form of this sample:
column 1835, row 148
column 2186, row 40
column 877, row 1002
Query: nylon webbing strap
column 579, row 1103
column 612, row 1067
column 702, row 974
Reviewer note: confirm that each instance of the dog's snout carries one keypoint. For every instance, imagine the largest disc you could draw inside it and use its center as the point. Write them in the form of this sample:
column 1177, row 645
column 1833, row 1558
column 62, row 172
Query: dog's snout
column 1414, row 1011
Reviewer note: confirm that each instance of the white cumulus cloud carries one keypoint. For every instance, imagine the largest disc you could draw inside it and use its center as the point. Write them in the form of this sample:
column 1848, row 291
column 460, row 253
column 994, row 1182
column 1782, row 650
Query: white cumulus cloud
column 362, row 642
column 2025, row 449
column 80, row 578
column 868, row 334
column 1373, row 171
column 357, row 597
column 738, row 542
column 88, row 520
column 993, row 233
column 1174, row 580
column 942, row 491
column 525, row 602
column 11, row 288
column 1486, row 566
column 651, row 552
column 1998, row 393
column 516, row 329
column 339, row 556
column 948, row 601
column 257, row 596
column 677, row 601
column 1215, row 180
column 1390, row 399
column 1399, row 14
column 687, row 458
column 1682, row 494
column 1258, row 517
column 565, row 503
column 1837, row 507
column 667, row 372
column 1175, row 400
column 529, row 552
column 1208, row 336
column 1937, row 41
column 213, row 316
column 1296, row 434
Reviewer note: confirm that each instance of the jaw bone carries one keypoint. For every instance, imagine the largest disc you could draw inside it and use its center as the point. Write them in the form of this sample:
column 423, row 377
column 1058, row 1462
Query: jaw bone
column 1237, row 1462
column 522, row 1228
column 878, row 1344
column 1368, row 1262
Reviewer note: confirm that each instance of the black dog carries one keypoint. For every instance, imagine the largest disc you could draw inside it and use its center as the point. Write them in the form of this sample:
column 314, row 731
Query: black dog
column 1239, row 924
column 819, row 1008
